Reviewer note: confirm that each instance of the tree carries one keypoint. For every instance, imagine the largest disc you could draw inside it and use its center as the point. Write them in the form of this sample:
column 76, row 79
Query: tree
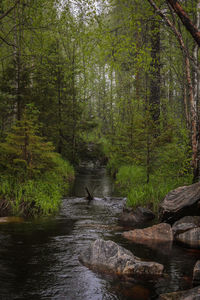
column 193, row 102
column 25, row 154
column 194, row 31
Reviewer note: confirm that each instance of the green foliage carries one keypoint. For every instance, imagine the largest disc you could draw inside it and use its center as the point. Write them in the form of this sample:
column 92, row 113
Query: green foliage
column 41, row 196
column 172, row 170
column 33, row 177
column 24, row 153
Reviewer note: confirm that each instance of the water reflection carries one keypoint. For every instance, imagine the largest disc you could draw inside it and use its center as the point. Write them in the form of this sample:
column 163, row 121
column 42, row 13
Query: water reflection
column 97, row 181
column 39, row 260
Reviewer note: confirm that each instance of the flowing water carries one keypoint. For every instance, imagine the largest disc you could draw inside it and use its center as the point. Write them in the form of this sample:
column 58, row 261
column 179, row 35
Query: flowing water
column 39, row 259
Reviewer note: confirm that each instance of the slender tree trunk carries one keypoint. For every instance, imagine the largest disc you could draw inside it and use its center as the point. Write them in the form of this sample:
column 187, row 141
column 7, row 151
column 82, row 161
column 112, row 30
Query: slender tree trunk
column 194, row 30
column 196, row 94
column 73, row 106
column 154, row 99
column 187, row 116
column 18, row 60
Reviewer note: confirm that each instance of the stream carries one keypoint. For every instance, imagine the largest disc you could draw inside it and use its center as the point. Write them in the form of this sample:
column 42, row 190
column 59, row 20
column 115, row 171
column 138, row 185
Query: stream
column 39, row 259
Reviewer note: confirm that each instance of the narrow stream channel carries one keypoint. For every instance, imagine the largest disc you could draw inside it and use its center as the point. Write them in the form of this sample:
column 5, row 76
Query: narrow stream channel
column 39, row 260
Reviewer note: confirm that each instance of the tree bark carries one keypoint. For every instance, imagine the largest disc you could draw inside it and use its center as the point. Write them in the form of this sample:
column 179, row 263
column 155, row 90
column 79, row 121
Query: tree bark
column 197, row 92
column 185, row 20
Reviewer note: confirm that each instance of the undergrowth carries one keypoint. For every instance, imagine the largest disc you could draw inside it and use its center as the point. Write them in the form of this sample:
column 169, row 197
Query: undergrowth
column 132, row 182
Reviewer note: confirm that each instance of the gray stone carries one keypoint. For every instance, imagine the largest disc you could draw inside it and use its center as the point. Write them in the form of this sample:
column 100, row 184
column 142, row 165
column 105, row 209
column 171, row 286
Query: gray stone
column 107, row 256
column 136, row 217
column 180, row 202
column 196, row 273
column 190, row 238
column 192, row 294
column 185, row 224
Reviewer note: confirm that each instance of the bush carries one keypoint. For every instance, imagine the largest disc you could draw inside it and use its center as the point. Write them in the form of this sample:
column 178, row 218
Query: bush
column 33, row 177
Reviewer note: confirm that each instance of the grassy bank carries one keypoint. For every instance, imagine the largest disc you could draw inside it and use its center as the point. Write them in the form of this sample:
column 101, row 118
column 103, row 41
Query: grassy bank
column 33, row 177
column 38, row 196
column 131, row 181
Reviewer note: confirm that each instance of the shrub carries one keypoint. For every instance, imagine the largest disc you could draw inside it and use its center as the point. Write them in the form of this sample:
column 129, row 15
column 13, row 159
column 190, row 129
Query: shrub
column 33, row 177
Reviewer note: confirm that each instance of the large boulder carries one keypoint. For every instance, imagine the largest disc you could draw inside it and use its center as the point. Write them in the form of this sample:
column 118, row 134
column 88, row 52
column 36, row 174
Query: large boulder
column 180, row 202
column 136, row 217
column 192, row 294
column 160, row 233
column 107, row 256
column 196, row 273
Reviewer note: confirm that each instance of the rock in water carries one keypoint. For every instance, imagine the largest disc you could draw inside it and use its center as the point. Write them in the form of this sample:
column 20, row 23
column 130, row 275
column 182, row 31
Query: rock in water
column 137, row 217
column 185, row 224
column 180, row 202
column 190, row 238
column 196, row 273
column 187, row 231
column 192, row 294
column 160, row 233
column 107, row 256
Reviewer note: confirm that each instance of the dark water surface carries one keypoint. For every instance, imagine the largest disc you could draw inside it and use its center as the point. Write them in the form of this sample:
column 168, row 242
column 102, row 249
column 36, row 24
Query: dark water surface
column 39, row 260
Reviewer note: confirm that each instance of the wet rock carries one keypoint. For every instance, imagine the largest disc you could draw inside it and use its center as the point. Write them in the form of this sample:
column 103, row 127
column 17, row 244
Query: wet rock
column 196, row 273
column 192, row 294
column 190, row 238
column 136, row 217
column 107, row 256
column 160, row 233
column 180, row 202
column 185, row 224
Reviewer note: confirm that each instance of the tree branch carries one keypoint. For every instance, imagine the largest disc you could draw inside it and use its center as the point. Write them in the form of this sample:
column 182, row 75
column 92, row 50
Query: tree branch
column 176, row 32
column 9, row 10
column 185, row 20
column 8, row 43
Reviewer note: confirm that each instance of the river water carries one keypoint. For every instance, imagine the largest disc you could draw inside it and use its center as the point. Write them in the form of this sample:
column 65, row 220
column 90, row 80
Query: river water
column 39, row 259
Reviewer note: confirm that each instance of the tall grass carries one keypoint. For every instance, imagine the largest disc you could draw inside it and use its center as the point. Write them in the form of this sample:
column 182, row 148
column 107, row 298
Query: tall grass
column 132, row 182
column 39, row 196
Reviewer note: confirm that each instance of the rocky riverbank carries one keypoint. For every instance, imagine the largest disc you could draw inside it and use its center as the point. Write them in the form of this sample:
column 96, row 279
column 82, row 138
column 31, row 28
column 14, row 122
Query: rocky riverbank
column 179, row 216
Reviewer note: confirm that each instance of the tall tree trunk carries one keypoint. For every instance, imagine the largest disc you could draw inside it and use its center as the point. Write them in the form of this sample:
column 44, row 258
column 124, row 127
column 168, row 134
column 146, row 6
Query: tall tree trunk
column 197, row 93
column 154, row 98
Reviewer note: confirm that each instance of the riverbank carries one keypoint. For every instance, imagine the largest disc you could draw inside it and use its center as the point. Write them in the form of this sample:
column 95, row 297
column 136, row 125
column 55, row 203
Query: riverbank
column 39, row 258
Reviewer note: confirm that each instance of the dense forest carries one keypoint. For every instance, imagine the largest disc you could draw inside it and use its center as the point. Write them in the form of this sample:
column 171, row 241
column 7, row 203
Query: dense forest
column 114, row 81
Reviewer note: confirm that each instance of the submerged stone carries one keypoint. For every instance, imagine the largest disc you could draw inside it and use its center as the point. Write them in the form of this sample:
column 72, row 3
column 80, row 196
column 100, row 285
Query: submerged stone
column 107, row 256
column 5, row 220
column 136, row 217
column 192, row 294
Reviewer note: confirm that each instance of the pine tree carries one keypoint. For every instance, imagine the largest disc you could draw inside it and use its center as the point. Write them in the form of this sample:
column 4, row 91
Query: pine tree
column 24, row 153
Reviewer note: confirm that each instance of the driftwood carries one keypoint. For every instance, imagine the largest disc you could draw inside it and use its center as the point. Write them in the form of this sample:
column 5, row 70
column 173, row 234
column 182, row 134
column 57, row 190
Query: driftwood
column 89, row 195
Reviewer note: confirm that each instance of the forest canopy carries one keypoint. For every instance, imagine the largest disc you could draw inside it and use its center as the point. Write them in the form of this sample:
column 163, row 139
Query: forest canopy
column 120, row 78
